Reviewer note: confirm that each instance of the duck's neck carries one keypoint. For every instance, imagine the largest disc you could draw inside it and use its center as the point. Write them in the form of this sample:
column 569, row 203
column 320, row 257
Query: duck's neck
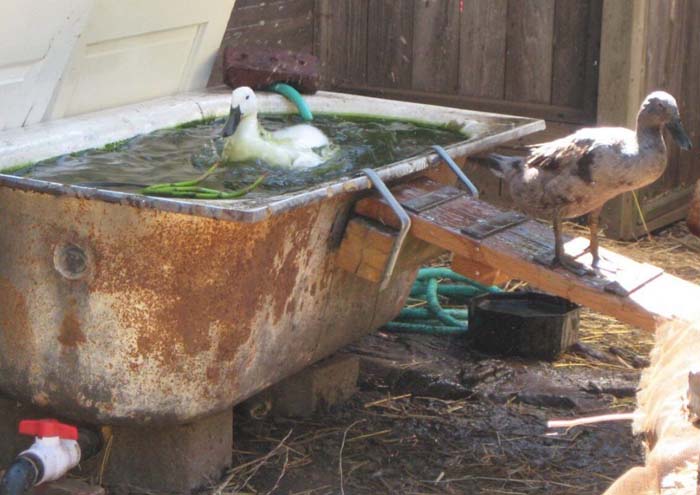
column 248, row 124
column 649, row 136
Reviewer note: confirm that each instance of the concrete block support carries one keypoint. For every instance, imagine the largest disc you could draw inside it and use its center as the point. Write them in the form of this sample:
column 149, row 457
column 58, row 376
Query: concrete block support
column 173, row 459
column 324, row 384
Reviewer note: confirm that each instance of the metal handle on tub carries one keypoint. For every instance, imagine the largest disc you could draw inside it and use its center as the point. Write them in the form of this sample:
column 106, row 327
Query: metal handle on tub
column 400, row 213
column 458, row 171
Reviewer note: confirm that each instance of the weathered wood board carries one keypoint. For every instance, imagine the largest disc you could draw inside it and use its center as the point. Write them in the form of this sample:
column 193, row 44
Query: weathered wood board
column 529, row 57
column 654, row 296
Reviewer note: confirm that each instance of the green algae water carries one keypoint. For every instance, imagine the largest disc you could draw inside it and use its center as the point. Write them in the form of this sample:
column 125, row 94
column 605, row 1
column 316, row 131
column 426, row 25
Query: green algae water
column 185, row 152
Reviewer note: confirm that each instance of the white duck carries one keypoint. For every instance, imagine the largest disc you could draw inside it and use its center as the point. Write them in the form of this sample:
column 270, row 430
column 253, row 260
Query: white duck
column 246, row 139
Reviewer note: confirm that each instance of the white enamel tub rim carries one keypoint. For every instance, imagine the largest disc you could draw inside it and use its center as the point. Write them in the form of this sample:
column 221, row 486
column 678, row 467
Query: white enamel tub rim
column 94, row 130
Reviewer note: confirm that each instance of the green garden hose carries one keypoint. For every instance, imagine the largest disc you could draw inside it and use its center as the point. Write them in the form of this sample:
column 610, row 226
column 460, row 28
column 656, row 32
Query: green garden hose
column 424, row 313
column 293, row 95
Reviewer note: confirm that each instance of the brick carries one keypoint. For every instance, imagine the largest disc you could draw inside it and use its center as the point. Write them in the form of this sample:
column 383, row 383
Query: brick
column 260, row 67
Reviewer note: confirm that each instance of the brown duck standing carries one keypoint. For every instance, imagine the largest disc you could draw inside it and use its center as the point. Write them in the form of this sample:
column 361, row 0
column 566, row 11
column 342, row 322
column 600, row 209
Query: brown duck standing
column 578, row 174
column 693, row 219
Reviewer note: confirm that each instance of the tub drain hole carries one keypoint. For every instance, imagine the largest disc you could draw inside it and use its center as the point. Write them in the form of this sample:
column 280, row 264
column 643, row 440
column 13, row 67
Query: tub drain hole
column 71, row 261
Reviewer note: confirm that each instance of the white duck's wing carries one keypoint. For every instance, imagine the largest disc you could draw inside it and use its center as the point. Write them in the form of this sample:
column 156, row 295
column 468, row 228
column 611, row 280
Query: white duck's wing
column 302, row 136
column 307, row 159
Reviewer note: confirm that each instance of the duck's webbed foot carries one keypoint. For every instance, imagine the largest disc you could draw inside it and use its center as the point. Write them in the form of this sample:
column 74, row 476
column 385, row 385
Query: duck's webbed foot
column 600, row 262
column 559, row 257
column 565, row 261
column 604, row 264
column 569, row 263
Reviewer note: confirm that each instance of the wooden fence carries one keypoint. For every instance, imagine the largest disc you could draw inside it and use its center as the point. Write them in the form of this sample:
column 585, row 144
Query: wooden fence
column 571, row 62
column 530, row 57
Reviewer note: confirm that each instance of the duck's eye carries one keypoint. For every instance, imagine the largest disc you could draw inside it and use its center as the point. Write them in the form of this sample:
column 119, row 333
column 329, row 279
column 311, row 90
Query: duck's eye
column 247, row 97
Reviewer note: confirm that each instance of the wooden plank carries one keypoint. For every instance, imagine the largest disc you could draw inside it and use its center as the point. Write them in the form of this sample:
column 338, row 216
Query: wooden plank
column 693, row 221
column 390, row 43
column 365, row 249
column 620, row 89
column 626, row 275
column 593, row 41
column 484, row 274
column 576, row 50
column 665, row 54
column 482, row 48
column 436, row 45
column 689, row 163
column 529, row 56
column 295, row 34
column 525, row 109
column 672, row 42
column 266, row 13
column 569, row 57
column 323, row 46
column 664, row 298
column 343, row 41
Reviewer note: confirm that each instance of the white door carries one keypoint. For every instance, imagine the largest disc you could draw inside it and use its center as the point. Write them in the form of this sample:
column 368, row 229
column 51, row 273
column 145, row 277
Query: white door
column 134, row 50
column 36, row 41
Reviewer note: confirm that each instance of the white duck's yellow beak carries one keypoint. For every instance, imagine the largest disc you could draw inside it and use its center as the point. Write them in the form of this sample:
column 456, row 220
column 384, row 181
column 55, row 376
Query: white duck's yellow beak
column 234, row 118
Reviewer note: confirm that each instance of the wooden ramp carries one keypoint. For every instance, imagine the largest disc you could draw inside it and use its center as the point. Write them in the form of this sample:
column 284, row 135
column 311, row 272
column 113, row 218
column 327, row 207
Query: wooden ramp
column 493, row 245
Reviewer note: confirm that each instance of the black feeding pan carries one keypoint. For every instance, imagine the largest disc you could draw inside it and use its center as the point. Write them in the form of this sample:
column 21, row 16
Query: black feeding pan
column 526, row 324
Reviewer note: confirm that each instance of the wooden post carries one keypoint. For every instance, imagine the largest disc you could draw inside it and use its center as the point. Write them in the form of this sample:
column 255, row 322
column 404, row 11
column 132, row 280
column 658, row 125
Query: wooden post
column 620, row 91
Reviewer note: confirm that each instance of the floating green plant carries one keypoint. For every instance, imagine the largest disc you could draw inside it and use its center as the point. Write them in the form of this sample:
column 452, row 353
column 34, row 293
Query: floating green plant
column 192, row 189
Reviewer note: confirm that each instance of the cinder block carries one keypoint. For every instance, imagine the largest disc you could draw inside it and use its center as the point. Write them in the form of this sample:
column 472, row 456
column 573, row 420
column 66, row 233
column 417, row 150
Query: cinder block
column 173, row 459
column 67, row 486
column 324, row 384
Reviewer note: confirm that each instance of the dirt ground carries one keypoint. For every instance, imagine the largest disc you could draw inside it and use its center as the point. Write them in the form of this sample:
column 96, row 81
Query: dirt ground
column 434, row 416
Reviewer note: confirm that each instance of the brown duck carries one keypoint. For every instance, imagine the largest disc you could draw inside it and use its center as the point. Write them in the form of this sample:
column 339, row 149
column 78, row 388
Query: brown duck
column 578, row 174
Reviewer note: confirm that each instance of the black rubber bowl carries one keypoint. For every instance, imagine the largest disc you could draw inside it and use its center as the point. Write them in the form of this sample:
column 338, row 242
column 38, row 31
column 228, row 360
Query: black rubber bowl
column 526, row 324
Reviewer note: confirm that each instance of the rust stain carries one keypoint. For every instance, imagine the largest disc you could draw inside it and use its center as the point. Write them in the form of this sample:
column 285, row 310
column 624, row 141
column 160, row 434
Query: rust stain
column 16, row 339
column 212, row 373
column 70, row 333
column 182, row 274
column 186, row 294
column 15, row 329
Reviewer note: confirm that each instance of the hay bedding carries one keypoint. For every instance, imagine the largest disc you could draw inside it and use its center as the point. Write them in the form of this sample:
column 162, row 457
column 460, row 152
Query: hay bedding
column 409, row 440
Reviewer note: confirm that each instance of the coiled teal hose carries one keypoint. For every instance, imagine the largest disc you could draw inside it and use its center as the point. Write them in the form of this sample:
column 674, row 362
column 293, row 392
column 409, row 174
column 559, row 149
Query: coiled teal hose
column 424, row 314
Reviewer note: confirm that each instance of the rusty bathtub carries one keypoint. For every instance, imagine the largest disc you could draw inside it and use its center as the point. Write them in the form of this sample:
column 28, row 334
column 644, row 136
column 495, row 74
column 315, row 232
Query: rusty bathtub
column 121, row 309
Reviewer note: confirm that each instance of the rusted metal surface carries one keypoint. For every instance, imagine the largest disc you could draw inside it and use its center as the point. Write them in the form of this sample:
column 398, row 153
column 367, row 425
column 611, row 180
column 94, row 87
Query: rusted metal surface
column 166, row 316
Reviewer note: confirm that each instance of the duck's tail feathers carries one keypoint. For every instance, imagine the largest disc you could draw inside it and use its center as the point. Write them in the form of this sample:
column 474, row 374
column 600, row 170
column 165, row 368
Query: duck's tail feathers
column 500, row 165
